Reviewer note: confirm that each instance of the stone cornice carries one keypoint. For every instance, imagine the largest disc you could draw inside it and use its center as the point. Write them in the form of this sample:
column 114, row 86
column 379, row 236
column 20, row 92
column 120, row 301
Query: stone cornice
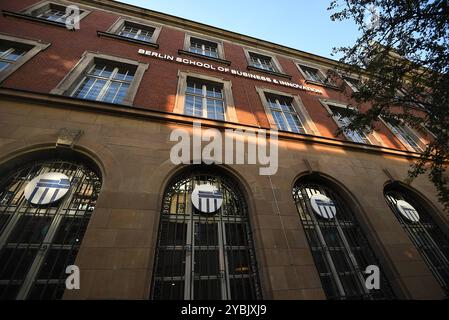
column 56, row 101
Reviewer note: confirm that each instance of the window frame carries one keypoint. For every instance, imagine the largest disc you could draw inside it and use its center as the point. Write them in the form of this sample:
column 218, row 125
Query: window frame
column 205, row 98
column 230, row 111
column 421, row 143
column 321, row 70
column 118, row 25
column 36, row 46
column 372, row 136
column 42, row 5
column 307, row 122
column 277, row 66
column 347, row 79
column 259, row 57
column 73, row 78
column 401, row 93
column 220, row 48
column 109, row 81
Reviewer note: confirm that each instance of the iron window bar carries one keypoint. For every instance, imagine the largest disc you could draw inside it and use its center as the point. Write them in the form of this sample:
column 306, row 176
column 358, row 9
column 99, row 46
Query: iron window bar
column 37, row 243
column 339, row 247
column 204, row 256
column 426, row 236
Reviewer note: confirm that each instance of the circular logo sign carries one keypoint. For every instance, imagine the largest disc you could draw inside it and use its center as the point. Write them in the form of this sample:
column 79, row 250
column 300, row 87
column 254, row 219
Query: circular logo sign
column 407, row 211
column 323, row 206
column 47, row 188
column 206, row 198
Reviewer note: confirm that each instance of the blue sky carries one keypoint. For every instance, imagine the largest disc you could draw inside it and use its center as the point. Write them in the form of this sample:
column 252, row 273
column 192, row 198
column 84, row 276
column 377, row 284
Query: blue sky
column 300, row 24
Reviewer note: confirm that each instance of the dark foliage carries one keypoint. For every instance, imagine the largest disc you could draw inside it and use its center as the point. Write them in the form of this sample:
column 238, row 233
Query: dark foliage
column 401, row 65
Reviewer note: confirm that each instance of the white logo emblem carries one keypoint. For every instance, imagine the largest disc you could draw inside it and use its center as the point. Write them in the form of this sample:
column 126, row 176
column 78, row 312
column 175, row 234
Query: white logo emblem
column 206, row 198
column 407, row 210
column 323, row 206
column 47, row 188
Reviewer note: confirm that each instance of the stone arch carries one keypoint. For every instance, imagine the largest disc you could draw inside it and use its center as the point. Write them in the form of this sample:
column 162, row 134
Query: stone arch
column 340, row 245
column 41, row 232
column 422, row 223
column 226, row 229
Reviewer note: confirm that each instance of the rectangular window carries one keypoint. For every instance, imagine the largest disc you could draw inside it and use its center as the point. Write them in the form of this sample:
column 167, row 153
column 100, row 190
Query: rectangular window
column 342, row 120
column 313, row 74
column 262, row 62
column 137, row 32
column 204, row 99
column 106, row 82
column 284, row 114
column 353, row 83
column 203, row 47
column 51, row 12
column 407, row 135
column 10, row 54
column 403, row 95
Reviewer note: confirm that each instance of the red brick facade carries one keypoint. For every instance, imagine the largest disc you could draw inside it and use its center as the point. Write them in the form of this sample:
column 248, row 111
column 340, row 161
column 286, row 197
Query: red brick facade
column 130, row 149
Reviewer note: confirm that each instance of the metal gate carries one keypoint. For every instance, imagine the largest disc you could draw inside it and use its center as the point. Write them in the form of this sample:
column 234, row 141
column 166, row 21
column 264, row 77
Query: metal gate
column 339, row 247
column 204, row 256
column 425, row 234
column 38, row 242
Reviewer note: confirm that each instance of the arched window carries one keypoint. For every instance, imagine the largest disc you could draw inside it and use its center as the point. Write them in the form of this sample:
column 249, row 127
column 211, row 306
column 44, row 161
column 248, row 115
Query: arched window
column 339, row 247
column 45, row 207
column 425, row 234
column 205, row 248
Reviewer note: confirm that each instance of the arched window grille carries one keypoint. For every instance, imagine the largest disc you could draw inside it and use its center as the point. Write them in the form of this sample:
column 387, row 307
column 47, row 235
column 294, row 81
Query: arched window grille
column 38, row 242
column 204, row 255
column 339, row 247
column 424, row 233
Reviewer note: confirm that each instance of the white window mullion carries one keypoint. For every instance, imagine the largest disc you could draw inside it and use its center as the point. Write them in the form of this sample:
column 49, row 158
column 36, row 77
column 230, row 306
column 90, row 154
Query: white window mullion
column 90, row 88
column 204, row 88
column 117, row 92
column 138, row 33
column 104, row 90
column 43, row 13
column 101, row 72
column 108, row 83
column 6, row 53
column 81, row 82
column 283, row 115
column 203, row 48
column 64, row 17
